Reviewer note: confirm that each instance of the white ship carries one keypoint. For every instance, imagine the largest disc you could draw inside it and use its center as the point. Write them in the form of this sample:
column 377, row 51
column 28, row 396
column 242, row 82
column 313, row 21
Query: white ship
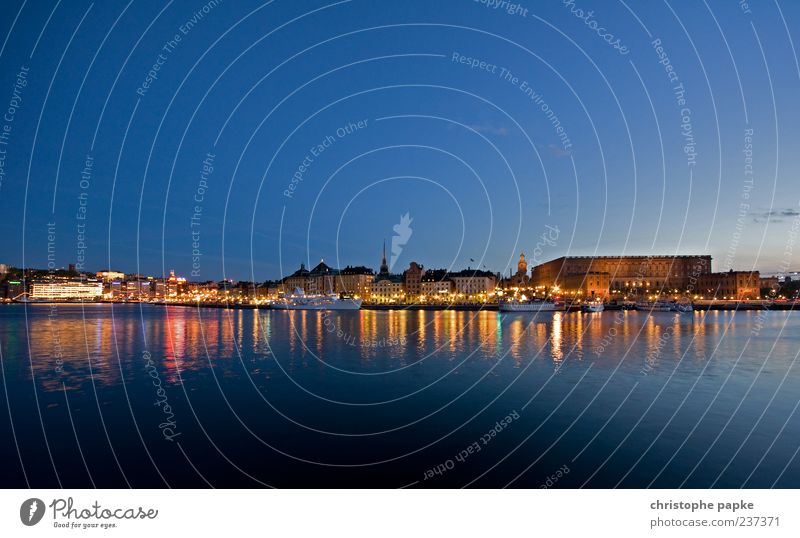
column 527, row 306
column 302, row 301
column 593, row 306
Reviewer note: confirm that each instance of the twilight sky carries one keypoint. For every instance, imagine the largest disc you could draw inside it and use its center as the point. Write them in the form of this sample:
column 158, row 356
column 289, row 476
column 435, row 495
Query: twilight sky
column 638, row 128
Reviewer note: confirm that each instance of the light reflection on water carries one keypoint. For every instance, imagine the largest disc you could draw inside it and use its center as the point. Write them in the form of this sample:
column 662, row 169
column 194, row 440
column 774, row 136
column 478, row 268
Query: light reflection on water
column 102, row 341
column 425, row 375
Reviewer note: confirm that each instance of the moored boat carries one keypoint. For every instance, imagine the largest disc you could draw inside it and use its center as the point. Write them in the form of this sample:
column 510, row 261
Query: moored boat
column 527, row 306
column 593, row 306
column 299, row 300
column 655, row 306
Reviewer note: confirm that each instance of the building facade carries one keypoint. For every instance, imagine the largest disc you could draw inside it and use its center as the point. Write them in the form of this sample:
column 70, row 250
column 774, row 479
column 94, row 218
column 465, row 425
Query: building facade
column 770, row 283
column 521, row 279
column 623, row 274
column 108, row 276
column 355, row 281
column 387, row 288
column 473, row 285
column 412, row 278
column 322, row 278
column 66, row 290
column 436, row 290
column 435, row 286
column 297, row 280
column 592, row 285
column 13, row 289
column 738, row 285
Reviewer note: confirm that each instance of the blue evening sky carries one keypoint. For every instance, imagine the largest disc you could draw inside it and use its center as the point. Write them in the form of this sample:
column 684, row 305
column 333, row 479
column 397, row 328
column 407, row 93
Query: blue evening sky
column 473, row 156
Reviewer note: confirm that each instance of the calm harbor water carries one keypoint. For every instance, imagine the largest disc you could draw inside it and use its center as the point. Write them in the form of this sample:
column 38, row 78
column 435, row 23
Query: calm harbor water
column 151, row 396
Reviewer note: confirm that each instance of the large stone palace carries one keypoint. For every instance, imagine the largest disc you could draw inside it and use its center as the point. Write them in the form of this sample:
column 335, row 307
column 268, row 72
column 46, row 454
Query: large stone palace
column 603, row 275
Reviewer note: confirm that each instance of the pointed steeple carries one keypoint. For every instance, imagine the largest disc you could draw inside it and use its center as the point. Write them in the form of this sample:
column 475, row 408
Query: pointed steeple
column 384, row 266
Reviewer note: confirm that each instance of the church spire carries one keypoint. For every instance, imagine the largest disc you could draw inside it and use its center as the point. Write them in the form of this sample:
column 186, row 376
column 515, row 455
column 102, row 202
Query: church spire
column 384, row 266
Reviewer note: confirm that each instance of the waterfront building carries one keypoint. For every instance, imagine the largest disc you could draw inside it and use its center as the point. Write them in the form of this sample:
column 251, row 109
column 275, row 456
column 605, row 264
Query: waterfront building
column 108, row 276
column 299, row 279
column 592, row 285
column 473, row 285
column 203, row 291
column 354, row 280
column 770, row 283
column 227, row 290
column 138, row 290
column 738, row 285
column 521, row 279
column 322, row 278
column 175, row 285
column 115, row 289
column 13, row 289
column 273, row 288
column 171, row 285
column 435, row 286
column 387, row 288
column 412, row 279
column 625, row 275
column 160, row 289
column 244, row 290
column 66, row 290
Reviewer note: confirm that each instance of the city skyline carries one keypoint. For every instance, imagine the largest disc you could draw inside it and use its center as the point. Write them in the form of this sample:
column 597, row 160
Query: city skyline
column 509, row 270
column 326, row 163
